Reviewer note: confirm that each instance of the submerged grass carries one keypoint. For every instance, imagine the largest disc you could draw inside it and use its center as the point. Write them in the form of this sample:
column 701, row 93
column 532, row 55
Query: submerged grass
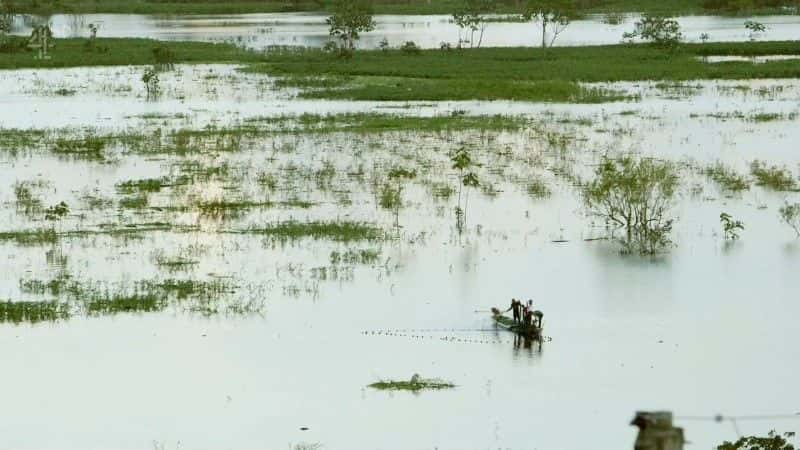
column 220, row 208
column 727, row 178
column 118, row 304
column 355, row 256
column 377, row 122
column 99, row 298
column 233, row 138
column 46, row 236
column 89, row 147
column 422, row 89
column 30, row 237
column 12, row 139
column 336, row 231
column 18, row 312
column 412, row 385
column 147, row 185
column 773, row 177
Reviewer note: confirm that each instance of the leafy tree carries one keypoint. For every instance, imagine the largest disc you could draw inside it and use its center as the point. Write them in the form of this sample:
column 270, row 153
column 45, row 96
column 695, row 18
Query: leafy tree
column 553, row 14
column 661, row 31
column 462, row 161
column 151, row 82
column 6, row 18
column 773, row 441
column 636, row 195
column 790, row 214
column 471, row 16
column 350, row 18
column 392, row 198
column 730, row 227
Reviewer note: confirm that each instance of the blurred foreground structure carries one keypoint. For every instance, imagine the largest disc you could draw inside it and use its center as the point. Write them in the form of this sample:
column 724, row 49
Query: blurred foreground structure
column 656, row 431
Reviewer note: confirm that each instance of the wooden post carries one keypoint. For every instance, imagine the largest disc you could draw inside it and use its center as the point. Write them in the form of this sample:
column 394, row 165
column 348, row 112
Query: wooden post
column 656, row 431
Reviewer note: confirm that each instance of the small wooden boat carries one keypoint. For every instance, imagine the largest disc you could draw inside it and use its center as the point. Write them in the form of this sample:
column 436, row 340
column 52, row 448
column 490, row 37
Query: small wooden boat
column 532, row 331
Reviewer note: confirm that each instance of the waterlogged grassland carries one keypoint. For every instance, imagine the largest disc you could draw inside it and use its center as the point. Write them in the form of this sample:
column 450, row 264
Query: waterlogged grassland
column 334, row 231
column 552, row 74
column 171, row 207
column 90, row 145
column 126, row 51
column 585, row 64
column 528, row 74
column 285, row 193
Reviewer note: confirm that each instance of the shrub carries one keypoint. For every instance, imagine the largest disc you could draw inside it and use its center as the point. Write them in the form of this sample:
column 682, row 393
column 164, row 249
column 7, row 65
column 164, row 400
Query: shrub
column 773, row 441
column 410, row 48
column 151, row 81
column 730, row 227
column 384, row 45
column 636, row 195
column 335, row 49
column 790, row 214
column 662, row 31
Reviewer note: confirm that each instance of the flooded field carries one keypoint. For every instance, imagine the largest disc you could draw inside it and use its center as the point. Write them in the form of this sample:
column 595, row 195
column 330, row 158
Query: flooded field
column 228, row 266
column 309, row 30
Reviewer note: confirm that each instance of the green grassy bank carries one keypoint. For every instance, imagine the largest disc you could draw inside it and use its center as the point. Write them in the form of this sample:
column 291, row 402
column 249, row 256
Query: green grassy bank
column 125, row 51
column 532, row 74
column 516, row 73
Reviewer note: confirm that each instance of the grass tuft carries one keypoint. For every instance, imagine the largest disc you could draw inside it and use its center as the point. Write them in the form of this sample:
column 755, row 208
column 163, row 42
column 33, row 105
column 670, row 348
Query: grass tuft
column 335, row 231
column 727, row 178
column 774, row 177
column 415, row 384
column 33, row 312
column 30, row 237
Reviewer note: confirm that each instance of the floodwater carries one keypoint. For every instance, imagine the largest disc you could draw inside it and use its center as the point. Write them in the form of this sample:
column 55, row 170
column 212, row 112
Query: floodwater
column 707, row 328
column 753, row 59
column 260, row 31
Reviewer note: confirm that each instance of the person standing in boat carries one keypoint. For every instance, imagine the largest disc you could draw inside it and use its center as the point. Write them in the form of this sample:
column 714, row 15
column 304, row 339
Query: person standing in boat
column 527, row 316
column 515, row 308
column 524, row 310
